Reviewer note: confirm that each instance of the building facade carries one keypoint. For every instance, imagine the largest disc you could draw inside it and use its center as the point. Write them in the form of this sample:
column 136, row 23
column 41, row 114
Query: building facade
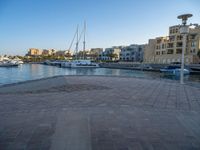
column 132, row 53
column 95, row 52
column 34, row 52
column 167, row 50
column 110, row 54
column 149, row 51
column 38, row 52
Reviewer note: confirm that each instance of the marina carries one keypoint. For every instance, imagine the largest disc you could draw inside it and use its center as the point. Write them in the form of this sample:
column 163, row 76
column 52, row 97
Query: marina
column 27, row 72
column 100, row 75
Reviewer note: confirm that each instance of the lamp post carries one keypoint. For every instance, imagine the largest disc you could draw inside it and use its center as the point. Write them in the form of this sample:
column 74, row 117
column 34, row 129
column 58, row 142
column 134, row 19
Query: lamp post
column 184, row 30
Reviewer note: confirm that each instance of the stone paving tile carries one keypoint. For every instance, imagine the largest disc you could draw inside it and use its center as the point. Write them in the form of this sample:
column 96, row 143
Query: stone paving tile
column 116, row 114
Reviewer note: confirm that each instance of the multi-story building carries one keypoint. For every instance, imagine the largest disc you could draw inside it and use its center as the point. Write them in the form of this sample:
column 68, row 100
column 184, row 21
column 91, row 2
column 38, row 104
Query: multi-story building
column 83, row 54
column 110, row 54
column 95, row 52
column 60, row 53
column 132, row 53
column 46, row 52
column 52, row 51
column 63, row 53
column 34, row 52
column 38, row 52
column 149, row 51
column 166, row 50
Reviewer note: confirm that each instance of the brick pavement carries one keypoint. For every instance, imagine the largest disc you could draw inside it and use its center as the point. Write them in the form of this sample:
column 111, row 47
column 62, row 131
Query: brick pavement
column 99, row 113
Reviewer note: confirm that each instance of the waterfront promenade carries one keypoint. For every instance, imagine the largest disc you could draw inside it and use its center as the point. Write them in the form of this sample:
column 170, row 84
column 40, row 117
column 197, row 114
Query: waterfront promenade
column 99, row 113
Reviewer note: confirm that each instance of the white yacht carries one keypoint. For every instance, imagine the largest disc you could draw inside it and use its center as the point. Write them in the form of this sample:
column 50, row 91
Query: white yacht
column 80, row 64
column 9, row 63
column 174, row 70
column 19, row 61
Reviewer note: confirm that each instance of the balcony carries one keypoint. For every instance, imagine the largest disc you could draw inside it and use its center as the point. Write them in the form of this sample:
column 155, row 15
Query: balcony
column 192, row 36
column 157, row 52
column 179, row 38
column 179, row 44
column 178, row 51
column 170, row 51
column 171, row 38
column 170, row 45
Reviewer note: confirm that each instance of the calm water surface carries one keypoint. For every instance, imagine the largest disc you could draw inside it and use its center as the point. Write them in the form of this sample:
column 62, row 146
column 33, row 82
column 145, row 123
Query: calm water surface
column 36, row 71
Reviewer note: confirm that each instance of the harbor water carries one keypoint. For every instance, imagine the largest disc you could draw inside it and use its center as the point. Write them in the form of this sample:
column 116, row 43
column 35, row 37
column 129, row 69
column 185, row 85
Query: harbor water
column 28, row 72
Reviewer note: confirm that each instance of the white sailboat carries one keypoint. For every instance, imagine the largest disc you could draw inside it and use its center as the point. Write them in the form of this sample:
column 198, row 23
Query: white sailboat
column 80, row 63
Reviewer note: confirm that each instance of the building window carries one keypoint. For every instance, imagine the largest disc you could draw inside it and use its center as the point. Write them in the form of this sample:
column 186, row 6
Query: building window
column 163, row 46
column 193, row 44
column 170, row 51
column 179, row 44
column 179, row 37
column 192, row 37
column 178, row 51
column 170, row 45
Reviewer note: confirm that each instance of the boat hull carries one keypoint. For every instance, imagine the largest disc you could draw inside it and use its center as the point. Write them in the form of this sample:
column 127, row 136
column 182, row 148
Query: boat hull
column 80, row 64
column 174, row 72
column 9, row 65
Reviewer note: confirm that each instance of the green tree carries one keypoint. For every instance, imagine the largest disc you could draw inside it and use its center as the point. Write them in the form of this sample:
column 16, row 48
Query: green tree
column 113, row 56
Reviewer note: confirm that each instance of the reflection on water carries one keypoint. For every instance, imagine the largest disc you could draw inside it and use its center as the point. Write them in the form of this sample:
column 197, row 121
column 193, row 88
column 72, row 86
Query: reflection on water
column 36, row 71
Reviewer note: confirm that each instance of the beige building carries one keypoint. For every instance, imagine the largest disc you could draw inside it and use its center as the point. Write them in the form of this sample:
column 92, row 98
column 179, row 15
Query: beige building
column 38, row 52
column 95, row 52
column 66, row 53
column 166, row 50
column 45, row 52
column 149, row 51
column 34, row 52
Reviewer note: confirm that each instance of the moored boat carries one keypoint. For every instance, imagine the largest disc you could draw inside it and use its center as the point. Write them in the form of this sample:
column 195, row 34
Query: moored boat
column 174, row 70
column 8, row 64
column 80, row 64
column 84, row 64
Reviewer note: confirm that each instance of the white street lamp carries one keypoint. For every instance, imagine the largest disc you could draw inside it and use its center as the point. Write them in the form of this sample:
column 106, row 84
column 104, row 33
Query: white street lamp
column 184, row 30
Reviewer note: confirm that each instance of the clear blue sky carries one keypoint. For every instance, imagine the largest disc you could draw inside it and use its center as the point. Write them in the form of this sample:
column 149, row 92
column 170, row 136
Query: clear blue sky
column 52, row 23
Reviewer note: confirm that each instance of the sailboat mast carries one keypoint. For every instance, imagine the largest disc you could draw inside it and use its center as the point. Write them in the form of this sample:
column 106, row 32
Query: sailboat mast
column 77, row 44
column 84, row 40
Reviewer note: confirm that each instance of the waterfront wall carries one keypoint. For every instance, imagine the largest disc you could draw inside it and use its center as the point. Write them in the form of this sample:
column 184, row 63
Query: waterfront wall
column 195, row 68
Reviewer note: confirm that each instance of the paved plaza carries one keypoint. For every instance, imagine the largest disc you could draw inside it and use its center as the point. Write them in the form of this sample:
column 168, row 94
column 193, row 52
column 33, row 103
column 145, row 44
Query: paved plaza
column 99, row 113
